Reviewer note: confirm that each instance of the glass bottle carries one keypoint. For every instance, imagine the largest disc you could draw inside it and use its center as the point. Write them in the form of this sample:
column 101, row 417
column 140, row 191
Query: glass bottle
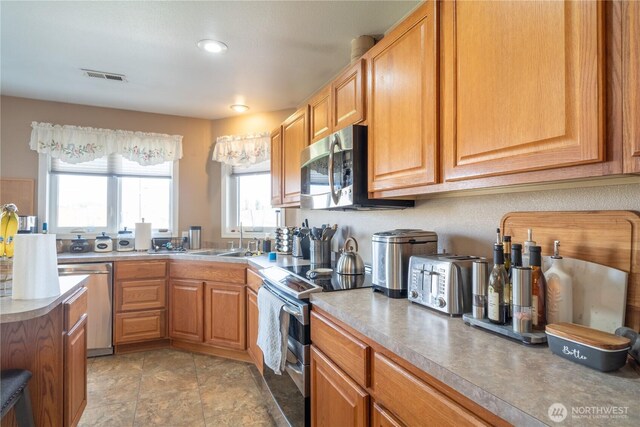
column 508, row 291
column 559, row 290
column 498, row 305
column 527, row 244
column 538, row 288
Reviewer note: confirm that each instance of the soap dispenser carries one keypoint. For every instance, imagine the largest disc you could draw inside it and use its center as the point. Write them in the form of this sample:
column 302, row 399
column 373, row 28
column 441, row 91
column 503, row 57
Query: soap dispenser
column 559, row 290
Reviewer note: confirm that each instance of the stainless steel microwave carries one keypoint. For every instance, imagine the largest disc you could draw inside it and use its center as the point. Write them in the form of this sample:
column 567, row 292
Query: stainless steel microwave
column 334, row 174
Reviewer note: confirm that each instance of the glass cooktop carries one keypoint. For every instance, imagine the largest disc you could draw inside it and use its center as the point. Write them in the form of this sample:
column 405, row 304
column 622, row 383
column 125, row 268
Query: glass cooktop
column 295, row 280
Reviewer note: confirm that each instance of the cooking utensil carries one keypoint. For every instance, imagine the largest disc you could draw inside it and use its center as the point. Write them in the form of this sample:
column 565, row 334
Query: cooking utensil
column 350, row 263
column 328, row 233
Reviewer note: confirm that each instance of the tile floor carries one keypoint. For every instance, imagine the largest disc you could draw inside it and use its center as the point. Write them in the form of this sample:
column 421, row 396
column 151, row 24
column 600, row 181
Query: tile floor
column 172, row 388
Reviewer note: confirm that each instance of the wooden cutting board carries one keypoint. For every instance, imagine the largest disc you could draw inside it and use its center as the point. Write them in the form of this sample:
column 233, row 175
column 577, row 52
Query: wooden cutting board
column 610, row 238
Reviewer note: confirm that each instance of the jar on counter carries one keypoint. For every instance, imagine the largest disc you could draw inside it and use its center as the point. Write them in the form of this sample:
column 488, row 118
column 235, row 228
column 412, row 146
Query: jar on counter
column 103, row 243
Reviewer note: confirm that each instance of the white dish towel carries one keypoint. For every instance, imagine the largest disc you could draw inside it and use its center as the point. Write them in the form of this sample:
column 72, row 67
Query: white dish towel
column 273, row 330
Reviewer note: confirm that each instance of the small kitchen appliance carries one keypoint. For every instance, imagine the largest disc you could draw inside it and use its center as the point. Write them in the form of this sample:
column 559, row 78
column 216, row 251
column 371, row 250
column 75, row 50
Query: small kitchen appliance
column 103, row 243
column 391, row 252
column 442, row 282
column 125, row 241
column 27, row 224
column 79, row 245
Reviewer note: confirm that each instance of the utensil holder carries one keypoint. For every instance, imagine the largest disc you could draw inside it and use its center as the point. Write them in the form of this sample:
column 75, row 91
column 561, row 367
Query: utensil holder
column 320, row 253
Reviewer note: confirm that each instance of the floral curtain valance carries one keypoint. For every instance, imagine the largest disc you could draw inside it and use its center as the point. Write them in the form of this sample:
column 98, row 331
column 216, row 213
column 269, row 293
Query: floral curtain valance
column 75, row 144
column 242, row 150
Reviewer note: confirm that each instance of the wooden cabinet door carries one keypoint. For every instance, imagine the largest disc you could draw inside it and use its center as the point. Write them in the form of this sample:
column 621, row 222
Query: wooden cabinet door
column 252, row 329
column 140, row 326
column 402, row 100
column 523, row 86
column 320, row 114
column 75, row 372
column 347, row 97
column 295, row 137
column 276, row 167
column 185, row 308
column 381, row 418
column 224, row 315
column 631, row 85
column 336, row 400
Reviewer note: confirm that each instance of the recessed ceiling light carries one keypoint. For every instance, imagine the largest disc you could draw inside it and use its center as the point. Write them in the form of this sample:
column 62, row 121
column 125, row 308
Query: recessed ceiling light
column 239, row 108
column 212, row 46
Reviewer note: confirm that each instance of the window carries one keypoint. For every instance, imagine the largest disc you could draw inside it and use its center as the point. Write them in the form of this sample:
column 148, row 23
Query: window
column 246, row 199
column 108, row 194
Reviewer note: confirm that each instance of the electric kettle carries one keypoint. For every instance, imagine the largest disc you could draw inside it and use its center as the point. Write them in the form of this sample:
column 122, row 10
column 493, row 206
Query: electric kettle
column 350, row 262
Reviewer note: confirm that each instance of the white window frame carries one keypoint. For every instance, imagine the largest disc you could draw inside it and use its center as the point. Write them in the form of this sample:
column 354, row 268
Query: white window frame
column 229, row 197
column 46, row 213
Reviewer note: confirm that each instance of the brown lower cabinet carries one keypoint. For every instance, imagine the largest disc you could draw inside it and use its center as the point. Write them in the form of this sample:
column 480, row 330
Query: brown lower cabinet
column 186, row 303
column 336, row 400
column 224, row 315
column 75, row 372
column 354, row 380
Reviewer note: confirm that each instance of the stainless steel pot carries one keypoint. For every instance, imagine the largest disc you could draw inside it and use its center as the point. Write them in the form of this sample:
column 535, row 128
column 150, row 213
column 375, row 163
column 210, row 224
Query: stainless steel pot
column 350, row 263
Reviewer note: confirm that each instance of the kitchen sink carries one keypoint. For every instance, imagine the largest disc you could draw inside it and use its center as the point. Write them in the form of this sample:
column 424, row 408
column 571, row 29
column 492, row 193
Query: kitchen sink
column 217, row 252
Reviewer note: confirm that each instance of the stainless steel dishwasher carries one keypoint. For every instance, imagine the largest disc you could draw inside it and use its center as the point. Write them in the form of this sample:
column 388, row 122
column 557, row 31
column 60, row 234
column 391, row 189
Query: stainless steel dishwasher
column 99, row 304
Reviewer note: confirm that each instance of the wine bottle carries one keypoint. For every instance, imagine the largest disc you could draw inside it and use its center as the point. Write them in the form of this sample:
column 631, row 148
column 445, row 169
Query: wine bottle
column 538, row 289
column 498, row 305
column 559, row 290
column 508, row 291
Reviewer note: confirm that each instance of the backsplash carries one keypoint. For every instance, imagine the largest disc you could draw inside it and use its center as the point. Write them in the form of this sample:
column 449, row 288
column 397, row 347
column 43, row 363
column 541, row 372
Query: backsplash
column 467, row 224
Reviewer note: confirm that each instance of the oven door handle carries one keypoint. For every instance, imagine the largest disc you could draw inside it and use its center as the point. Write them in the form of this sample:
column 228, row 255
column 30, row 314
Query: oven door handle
column 335, row 141
column 292, row 311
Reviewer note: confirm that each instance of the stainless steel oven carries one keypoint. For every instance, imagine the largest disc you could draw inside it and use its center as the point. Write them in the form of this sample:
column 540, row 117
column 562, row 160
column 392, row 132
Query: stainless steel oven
column 291, row 390
column 334, row 174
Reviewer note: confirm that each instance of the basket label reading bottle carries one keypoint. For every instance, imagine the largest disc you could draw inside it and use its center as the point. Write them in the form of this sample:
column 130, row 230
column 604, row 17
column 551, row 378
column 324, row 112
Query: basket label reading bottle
column 494, row 305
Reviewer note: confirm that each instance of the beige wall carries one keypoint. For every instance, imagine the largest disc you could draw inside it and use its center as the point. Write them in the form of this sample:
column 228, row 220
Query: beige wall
column 239, row 125
column 467, row 224
column 199, row 176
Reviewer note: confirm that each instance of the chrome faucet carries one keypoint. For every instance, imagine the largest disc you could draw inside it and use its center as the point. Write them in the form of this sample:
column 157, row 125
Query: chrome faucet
column 240, row 242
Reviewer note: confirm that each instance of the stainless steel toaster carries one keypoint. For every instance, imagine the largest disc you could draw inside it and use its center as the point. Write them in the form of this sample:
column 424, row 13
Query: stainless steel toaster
column 441, row 282
column 391, row 251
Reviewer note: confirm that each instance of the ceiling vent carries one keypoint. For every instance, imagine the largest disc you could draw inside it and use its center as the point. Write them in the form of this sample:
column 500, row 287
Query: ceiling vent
column 104, row 76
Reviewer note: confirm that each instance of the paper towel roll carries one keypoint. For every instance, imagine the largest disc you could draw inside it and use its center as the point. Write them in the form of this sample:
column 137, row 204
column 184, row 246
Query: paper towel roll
column 35, row 267
column 143, row 236
column 360, row 45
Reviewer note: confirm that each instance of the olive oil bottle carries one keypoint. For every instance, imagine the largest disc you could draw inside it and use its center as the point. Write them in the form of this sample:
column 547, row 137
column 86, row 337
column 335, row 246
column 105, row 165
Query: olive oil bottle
column 498, row 305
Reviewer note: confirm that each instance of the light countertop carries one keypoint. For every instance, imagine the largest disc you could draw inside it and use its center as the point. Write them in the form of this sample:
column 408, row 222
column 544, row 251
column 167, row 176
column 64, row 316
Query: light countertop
column 20, row 310
column 514, row 381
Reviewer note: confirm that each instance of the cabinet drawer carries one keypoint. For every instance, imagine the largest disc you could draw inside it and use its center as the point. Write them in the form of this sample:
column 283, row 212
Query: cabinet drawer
column 140, row 269
column 215, row 272
column 141, row 295
column 253, row 280
column 349, row 353
column 427, row 406
column 140, row 326
column 74, row 307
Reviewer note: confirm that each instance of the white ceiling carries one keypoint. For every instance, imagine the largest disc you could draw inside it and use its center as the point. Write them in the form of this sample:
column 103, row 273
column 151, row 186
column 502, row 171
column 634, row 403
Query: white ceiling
column 279, row 53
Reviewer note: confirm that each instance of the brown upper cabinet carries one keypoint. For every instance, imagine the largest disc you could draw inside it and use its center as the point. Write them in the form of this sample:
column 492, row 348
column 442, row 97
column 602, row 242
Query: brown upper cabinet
column 339, row 104
column 295, row 138
column 523, row 86
column 631, row 84
column 320, row 114
column 347, row 97
column 402, row 102
column 276, row 166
